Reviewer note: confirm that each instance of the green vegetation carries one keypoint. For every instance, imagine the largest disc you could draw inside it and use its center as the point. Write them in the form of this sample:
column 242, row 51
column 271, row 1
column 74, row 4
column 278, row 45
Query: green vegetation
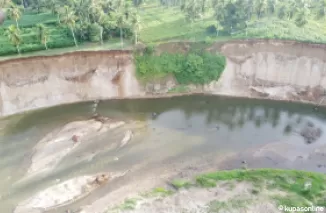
column 129, row 204
column 291, row 181
column 71, row 23
column 158, row 192
column 179, row 89
column 216, row 206
column 178, row 184
column 197, row 67
column 41, row 25
column 279, row 187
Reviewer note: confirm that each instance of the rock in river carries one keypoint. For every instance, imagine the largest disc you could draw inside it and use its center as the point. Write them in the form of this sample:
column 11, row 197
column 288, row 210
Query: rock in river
column 59, row 143
column 126, row 138
column 310, row 133
column 65, row 193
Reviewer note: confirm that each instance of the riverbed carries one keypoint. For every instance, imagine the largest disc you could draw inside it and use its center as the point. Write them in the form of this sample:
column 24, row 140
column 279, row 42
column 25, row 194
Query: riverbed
column 177, row 135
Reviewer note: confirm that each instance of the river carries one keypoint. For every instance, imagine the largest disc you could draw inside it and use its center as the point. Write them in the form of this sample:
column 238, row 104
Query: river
column 174, row 130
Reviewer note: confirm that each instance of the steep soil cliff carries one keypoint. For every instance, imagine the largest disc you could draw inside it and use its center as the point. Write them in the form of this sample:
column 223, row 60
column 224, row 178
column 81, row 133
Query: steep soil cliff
column 285, row 70
column 35, row 82
column 274, row 69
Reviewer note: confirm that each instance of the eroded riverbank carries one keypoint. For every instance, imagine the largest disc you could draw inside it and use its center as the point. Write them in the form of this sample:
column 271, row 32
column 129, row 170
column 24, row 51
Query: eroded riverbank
column 279, row 70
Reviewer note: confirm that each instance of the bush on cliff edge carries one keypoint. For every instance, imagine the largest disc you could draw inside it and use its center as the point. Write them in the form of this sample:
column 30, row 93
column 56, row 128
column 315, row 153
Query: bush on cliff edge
column 191, row 68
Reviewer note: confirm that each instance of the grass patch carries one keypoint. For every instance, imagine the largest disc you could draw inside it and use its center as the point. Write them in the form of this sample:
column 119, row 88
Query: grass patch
column 178, row 184
column 129, row 204
column 205, row 182
column 157, row 192
column 292, row 200
column 233, row 204
column 87, row 46
column 290, row 181
column 179, row 89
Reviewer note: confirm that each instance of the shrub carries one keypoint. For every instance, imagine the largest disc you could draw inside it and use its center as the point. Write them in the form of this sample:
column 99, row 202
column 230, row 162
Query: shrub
column 31, row 47
column 7, row 50
column 211, row 29
column 94, row 32
column 149, row 49
column 196, row 68
column 64, row 42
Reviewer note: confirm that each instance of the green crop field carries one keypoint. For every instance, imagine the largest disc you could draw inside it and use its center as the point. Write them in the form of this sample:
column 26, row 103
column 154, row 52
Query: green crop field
column 157, row 22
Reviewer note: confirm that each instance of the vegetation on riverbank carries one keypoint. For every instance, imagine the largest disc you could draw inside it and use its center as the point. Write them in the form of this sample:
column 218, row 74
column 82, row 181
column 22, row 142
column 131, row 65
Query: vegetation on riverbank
column 305, row 188
column 276, row 187
column 193, row 67
column 34, row 25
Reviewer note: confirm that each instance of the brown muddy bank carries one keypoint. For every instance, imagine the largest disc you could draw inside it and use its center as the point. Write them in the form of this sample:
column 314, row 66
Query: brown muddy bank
column 35, row 82
column 281, row 70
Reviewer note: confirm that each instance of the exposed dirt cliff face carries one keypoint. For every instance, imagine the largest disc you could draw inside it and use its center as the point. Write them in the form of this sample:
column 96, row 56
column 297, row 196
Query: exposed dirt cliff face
column 35, row 82
column 273, row 69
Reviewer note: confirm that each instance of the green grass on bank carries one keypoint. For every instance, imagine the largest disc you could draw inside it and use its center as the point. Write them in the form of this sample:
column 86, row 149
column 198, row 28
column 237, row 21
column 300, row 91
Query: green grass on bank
column 290, row 181
column 108, row 45
column 274, row 186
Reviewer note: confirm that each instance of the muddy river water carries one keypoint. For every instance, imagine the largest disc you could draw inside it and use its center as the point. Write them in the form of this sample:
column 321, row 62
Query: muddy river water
column 168, row 131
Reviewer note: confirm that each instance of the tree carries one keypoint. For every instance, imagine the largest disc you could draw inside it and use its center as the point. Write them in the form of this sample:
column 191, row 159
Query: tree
column 232, row 15
column 320, row 9
column 2, row 16
column 43, row 35
column 192, row 9
column 260, row 7
column 120, row 24
column 286, row 10
column 271, row 6
column 135, row 25
column 137, row 3
column 69, row 19
column 13, row 34
column 4, row 3
column 38, row 4
column 53, row 6
column 203, row 6
column 301, row 18
column 15, row 13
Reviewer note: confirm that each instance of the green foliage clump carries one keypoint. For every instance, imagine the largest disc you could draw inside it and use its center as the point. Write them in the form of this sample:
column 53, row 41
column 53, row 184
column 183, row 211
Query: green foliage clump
column 194, row 67
column 94, row 30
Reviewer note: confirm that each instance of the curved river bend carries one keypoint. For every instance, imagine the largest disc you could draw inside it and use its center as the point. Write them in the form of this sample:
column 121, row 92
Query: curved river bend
column 174, row 133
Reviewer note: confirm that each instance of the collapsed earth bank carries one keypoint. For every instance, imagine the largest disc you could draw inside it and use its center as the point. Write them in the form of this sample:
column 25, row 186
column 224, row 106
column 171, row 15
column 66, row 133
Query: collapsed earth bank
column 273, row 69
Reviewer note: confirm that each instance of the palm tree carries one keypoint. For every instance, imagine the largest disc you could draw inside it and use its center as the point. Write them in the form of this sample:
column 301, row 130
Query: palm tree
column 13, row 34
column 2, row 16
column 15, row 13
column 120, row 24
column 69, row 19
column 321, row 9
column 260, row 7
column 119, row 4
column 4, row 3
column 43, row 35
column 135, row 25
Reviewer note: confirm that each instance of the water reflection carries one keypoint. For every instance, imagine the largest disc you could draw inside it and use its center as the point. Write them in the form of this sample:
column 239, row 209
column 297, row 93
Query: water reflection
column 223, row 123
column 232, row 113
